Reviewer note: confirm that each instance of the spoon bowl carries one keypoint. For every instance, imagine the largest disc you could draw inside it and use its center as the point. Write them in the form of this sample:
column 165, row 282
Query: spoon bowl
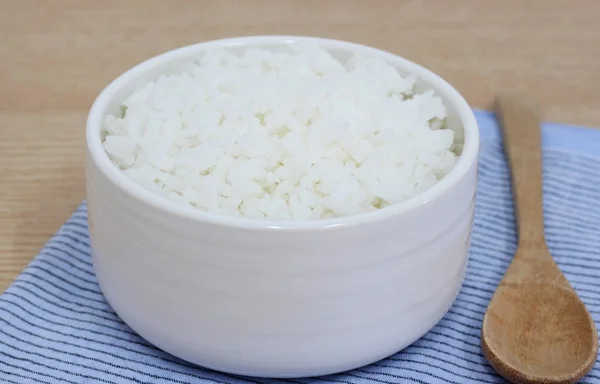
column 551, row 346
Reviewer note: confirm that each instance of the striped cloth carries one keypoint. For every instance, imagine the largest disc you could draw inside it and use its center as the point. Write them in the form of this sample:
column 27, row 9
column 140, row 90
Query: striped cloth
column 55, row 326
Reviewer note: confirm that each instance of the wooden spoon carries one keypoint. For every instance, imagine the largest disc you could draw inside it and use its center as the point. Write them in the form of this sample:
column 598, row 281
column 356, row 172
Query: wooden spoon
column 536, row 329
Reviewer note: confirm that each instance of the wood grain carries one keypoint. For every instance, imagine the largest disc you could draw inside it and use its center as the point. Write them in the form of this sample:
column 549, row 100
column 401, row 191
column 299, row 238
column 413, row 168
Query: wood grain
column 56, row 56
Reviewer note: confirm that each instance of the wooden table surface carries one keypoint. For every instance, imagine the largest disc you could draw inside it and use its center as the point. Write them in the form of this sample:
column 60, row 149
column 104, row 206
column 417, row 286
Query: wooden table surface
column 56, row 56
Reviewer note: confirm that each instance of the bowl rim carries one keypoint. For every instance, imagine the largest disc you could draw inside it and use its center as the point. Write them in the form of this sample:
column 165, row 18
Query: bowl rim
column 101, row 160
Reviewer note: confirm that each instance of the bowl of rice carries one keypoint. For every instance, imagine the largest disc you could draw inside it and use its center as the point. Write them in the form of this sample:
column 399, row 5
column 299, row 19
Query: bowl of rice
column 280, row 206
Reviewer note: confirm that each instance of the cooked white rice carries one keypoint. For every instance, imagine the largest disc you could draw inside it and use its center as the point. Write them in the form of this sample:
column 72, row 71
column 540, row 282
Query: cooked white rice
column 282, row 135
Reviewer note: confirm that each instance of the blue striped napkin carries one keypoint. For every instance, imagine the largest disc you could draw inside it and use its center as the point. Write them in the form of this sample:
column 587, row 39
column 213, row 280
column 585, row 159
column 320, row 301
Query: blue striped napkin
column 55, row 326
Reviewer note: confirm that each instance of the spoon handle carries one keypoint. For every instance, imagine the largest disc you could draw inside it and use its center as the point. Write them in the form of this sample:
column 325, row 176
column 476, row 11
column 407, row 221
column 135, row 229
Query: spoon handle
column 522, row 145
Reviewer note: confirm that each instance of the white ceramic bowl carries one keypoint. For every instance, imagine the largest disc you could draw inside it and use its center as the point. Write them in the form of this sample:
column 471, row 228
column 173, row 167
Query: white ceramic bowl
column 278, row 299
